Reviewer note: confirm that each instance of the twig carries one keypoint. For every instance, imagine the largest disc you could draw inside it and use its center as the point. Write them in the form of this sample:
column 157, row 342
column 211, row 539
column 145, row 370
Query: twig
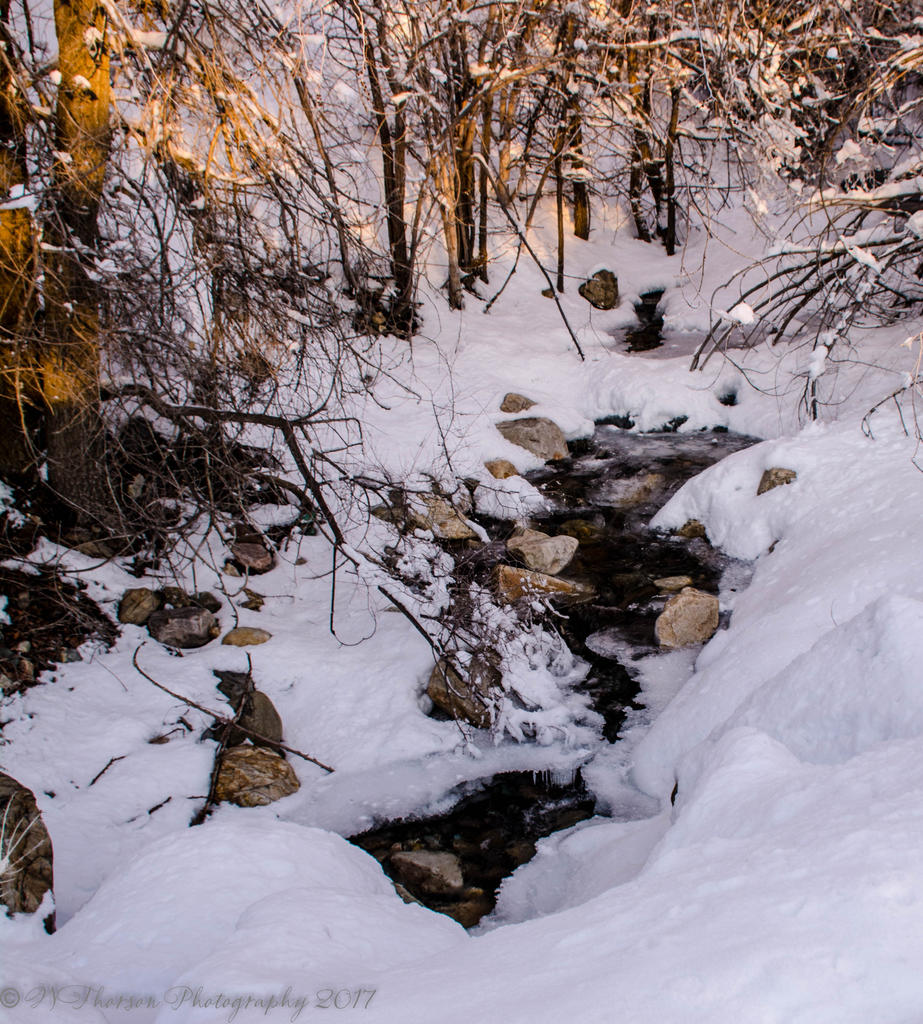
column 103, row 771
column 223, row 720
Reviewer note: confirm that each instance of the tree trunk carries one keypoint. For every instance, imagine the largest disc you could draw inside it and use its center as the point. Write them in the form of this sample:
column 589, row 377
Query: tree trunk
column 581, row 191
column 17, row 273
column 669, row 156
column 70, row 357
column 559, row 209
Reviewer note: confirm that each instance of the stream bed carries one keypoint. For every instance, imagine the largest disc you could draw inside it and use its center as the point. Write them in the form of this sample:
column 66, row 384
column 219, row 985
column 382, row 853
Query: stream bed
column 604, row 494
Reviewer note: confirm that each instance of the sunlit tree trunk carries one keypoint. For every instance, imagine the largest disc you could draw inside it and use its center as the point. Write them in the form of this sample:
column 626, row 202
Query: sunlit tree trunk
column 17, row 266
column 70, row 357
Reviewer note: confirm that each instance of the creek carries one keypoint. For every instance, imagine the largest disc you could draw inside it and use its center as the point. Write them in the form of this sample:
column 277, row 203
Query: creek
column 604, row 494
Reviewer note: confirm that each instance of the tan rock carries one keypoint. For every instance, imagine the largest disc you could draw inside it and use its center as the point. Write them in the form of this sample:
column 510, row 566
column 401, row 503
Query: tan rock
column 438, row 516
column 25, row 851
column 512, row 402
column 537, row 435
column 513, row 584
column 254, row 601
column 468, row 911
column 253, row 777
column 138, row 604
column 429, row 871
column 467, row 699
column 541, row 552
column 672, row 584
column 245, row 636
column 501, row 469
column 691, row 529
column 689, row 617
column 775, row 477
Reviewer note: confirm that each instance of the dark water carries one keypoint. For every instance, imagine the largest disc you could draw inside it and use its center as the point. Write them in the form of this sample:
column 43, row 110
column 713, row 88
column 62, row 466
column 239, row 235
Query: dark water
column 604, row 494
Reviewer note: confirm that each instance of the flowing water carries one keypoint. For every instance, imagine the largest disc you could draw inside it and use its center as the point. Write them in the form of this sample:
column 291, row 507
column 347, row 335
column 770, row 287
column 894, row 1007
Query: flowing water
column 604, row 494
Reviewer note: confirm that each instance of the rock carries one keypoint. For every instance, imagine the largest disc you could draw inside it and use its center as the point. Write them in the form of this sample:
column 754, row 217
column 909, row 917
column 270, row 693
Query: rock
column 257, row 712
column 69, row 655
column 585, row 531
column 469, row 910
column 254, row 777
column 26, row 855
column 183, row 627
column 95, row 549
column 230, row 569
column 438, row 516
column 543, row 553
column 775, row 477
column 244, row 636
column 672, row 584
column 513, row 583
column 689, row 617
column 436, row 874
column 691, row 530
column 175, row 597
column 515, row 403
column 254, row 602
column 501, row 469
column 207, row 600
column 537, row 435
column 601, row 290
column 629, row 491
column 261, row 717
column 406, row 895
column 252, row 557
column 138, row 604
column 468, row 700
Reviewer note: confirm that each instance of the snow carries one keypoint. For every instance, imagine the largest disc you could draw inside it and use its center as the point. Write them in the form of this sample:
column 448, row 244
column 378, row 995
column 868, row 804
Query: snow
column 761, row 861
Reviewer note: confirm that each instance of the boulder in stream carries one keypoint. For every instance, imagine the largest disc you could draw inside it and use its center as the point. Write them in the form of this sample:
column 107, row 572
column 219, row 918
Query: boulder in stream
column 543, row 553
column 689, row 617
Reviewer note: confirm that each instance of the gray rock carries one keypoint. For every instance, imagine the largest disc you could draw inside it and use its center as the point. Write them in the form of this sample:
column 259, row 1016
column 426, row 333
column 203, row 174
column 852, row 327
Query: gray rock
column 630, row 491
column 183, row 627
column 689, row 617
column 537, row 435
column 138, row 604
column 25, row 849
column 255, row 558
column 206, row 599
column 601, row 290
column 254, row 777
column 512, row 402
column 260, row 716
column 428, row 871
column 775, row 477
column 543, row 553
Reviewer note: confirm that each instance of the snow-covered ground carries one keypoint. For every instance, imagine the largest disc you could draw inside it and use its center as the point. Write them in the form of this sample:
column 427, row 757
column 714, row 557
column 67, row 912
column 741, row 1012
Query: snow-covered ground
column 784, row 884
